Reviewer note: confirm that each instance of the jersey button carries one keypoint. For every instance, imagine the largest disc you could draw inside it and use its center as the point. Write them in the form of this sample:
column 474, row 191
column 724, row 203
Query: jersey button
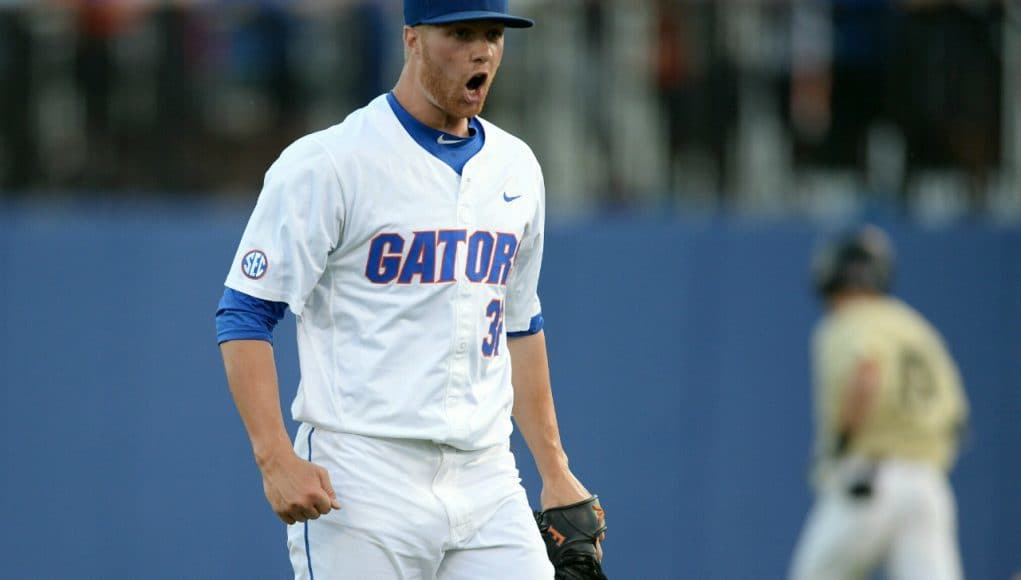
column 462, row 346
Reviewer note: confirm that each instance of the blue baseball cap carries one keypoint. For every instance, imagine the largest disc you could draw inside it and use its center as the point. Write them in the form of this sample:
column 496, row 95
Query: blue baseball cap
column 446, row 11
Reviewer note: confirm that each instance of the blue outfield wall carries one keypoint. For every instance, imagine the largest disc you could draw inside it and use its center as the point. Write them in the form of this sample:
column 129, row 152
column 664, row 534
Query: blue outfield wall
column 679, row 359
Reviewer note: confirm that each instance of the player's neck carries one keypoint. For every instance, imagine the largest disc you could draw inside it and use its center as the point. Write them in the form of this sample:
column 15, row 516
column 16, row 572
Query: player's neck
column 852, row 297
column 409, row 94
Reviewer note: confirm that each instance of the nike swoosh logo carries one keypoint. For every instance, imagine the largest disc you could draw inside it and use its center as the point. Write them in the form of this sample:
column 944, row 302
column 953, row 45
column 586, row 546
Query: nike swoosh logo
column 442, row 140
column 508, row 198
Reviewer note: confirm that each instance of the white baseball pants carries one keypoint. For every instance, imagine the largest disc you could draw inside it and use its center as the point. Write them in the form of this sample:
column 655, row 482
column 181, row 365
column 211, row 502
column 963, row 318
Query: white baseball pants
column 415, row 510
column 908, row 525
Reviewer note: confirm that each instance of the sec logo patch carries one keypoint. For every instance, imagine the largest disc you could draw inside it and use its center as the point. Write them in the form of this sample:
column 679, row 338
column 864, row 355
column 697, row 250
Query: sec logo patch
column 254, row 264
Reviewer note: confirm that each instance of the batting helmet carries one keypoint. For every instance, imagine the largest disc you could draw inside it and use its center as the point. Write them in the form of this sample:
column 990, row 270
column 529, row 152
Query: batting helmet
column 861, row 259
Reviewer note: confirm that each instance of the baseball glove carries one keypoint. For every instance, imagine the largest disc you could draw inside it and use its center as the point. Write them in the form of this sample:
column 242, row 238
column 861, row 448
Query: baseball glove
column 570, row 533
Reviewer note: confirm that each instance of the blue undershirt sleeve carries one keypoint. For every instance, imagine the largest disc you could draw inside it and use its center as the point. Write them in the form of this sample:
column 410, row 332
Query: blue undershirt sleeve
column 243, row 317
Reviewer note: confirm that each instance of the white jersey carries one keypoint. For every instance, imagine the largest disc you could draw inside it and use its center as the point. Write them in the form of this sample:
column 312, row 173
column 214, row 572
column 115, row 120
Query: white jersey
column 404, row 277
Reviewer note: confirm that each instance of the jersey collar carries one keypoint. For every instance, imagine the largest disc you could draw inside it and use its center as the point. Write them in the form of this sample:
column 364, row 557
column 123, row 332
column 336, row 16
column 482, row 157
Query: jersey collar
column 452, row 150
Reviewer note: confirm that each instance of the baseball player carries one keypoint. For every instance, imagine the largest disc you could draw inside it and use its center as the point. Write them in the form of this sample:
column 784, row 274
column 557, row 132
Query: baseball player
column 889, row 406
column 407, row 241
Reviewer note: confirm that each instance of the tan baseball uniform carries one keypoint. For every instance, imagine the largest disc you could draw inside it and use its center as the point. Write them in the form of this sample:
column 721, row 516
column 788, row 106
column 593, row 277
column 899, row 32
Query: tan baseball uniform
column 904, row 447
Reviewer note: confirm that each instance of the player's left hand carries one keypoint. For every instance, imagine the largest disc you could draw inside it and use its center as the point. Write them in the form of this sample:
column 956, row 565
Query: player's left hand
column 563, row 489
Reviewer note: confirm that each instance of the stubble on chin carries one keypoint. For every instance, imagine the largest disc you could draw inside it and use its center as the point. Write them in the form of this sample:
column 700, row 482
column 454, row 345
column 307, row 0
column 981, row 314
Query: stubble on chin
column 445, row 94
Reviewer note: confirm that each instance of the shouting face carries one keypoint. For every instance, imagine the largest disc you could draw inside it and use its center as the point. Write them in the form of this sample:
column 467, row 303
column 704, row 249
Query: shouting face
column 458, row 62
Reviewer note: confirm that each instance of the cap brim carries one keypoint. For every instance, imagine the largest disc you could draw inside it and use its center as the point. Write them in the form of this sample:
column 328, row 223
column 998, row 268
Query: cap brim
column 467, row 15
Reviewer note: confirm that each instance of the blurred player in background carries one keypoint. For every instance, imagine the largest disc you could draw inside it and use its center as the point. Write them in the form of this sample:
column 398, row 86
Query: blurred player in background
column 889, row 409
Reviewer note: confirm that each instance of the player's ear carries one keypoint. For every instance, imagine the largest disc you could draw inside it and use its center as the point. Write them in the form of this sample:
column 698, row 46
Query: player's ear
column 411, row 41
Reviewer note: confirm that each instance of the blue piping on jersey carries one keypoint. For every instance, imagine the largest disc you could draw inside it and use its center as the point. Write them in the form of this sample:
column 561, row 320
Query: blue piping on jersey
column 534, row 326
column 243, row 317
column 453, row 150
column 308, row 552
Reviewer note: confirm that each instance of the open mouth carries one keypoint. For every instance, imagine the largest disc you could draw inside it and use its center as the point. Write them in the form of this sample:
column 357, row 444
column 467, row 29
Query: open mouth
column 476, row 82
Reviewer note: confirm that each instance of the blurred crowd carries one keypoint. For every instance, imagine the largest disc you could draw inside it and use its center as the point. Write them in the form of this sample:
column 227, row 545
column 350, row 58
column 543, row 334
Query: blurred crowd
column 133, row 96
column 812, row 106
